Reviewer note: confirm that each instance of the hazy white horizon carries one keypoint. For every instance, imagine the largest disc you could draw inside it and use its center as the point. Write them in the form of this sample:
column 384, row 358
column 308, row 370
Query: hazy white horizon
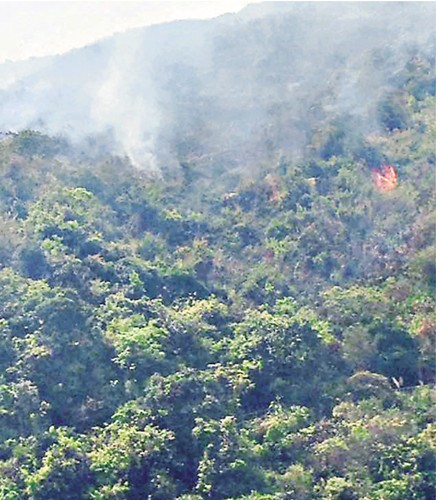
column 36, row 29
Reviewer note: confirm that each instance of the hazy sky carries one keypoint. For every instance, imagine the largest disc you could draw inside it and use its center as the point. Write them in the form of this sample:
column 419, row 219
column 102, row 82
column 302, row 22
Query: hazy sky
column 36, row 28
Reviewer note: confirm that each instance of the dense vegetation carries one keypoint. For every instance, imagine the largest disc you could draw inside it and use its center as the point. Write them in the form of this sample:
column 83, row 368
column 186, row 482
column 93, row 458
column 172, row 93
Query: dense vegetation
column 163, row 338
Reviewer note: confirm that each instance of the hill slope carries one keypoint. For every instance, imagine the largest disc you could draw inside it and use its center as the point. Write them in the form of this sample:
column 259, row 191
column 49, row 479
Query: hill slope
column 170, row 338
column 234, row 90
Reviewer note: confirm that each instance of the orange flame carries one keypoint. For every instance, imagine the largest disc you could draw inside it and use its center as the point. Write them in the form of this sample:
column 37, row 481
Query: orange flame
column 385, row 178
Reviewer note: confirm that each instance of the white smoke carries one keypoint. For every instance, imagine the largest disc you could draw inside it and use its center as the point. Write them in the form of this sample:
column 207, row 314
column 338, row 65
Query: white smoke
column 222, row 90
column 126, row 102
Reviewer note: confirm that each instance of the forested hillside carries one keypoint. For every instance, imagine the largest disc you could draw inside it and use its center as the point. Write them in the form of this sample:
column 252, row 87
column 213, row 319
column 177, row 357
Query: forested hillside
column 257, row 333
column 228, row 93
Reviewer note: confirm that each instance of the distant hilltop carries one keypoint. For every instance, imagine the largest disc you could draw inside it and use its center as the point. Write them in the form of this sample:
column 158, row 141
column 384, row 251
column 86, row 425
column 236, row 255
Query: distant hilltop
column 237, row 89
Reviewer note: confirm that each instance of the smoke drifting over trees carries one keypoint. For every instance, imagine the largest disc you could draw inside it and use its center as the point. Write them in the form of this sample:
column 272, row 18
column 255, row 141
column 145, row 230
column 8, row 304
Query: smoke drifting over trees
column 250, row 313
column 255, row 83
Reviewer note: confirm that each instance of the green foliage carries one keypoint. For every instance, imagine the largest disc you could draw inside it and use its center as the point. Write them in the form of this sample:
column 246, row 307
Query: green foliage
column 136, row 343
column 163, row 339
column 392, row 113
column 338, row 488
column 227, row 466
column 130, row 461
column 63, row 471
